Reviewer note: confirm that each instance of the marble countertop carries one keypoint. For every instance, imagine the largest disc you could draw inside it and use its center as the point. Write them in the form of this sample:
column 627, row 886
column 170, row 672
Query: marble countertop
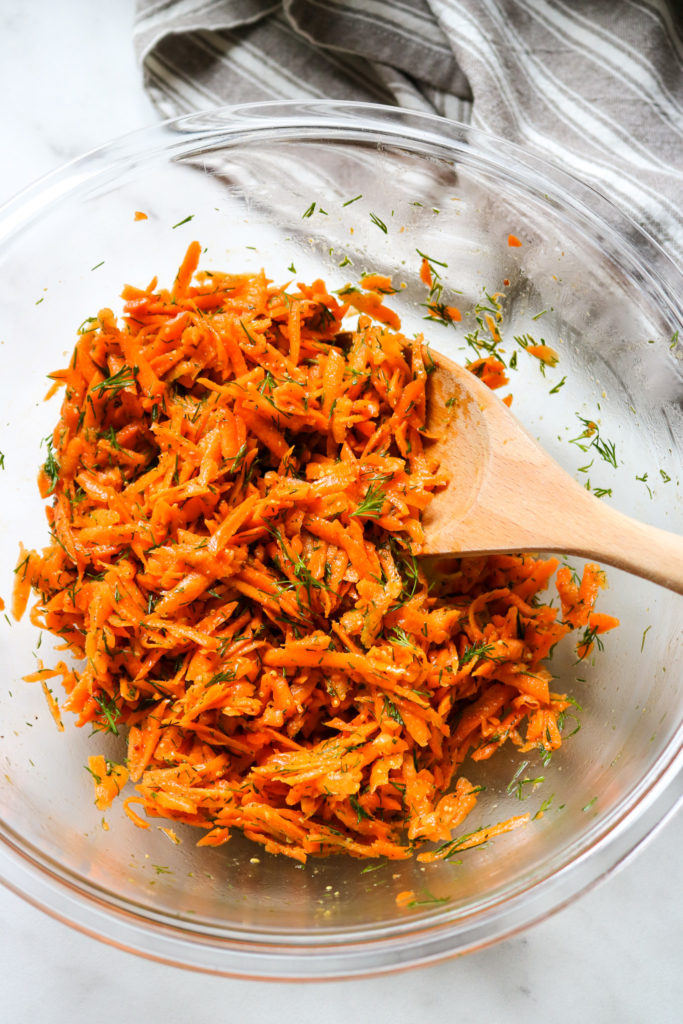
column 69, row 82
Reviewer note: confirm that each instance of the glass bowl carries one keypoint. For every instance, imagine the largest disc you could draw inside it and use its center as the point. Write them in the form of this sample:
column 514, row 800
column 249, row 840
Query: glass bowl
column 335, row 189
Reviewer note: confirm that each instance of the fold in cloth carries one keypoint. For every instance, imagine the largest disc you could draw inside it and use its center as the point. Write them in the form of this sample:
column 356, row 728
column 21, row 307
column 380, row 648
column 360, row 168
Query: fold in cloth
column 594, row 85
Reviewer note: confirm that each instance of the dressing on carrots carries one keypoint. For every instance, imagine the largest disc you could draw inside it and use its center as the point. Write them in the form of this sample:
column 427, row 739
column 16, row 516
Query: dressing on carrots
column 236, row 487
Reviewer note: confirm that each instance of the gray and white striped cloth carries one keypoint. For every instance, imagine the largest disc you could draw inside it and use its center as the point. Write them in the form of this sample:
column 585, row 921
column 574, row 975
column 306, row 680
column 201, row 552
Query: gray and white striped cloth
column 594, row 85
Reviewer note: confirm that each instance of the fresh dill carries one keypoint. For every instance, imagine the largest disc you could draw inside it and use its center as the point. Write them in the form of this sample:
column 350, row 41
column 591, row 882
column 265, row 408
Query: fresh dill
column 452, row 847
column 431, row 260
column 643, row 480
column 475, row 651
column 237, row 461
column 372, row 504
column 392, row 711
column 400, row 637
column 407, row 565
column 360, row 811
column 426, row 900
column 84, row 328
column 226, row 675
column 110, row 435
column 545, row 806
column 95, row 776
column 123, row 378
column 605, row 449
column 373, row 867
column 516, row 784
column 51, row 467
column 109, row 711
column 563, row 715
column 303, row 577
column 560, row 384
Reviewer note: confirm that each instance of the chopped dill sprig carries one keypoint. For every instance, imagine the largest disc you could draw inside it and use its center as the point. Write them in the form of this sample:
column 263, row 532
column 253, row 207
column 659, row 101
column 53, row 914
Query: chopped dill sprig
column 605, row 449
column 475, row 651
column 643, row 480
column 392, row 711
column 560, row 384
column 51, row 467
column 373, row 502
column 426, row 900
column 123, row 378
column 109, row 711
column 360, row 811
column 516, row 785
column 380, row 223
column 400, row 637
column 431, row 260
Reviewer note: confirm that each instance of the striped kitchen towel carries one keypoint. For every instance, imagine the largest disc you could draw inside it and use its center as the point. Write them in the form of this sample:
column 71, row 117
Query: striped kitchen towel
column 594, row 85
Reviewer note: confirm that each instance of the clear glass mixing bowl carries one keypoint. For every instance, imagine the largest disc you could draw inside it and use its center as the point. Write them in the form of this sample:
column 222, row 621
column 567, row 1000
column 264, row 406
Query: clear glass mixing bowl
column 242, row 181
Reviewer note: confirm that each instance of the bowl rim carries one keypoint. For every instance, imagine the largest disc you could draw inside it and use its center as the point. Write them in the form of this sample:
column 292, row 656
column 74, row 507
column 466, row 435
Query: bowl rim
column 353, row 951
column 346, row 118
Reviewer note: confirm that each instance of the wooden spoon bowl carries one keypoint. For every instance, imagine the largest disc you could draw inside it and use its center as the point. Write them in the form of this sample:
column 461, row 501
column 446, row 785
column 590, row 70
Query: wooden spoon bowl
column 507, row 495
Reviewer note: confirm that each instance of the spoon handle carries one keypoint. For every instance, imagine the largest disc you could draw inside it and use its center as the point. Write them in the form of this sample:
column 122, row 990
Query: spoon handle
column 593, row 529
column 506, row 494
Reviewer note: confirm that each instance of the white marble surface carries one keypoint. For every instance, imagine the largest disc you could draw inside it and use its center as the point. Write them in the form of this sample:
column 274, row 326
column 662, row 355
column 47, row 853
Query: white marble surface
column 68, row 82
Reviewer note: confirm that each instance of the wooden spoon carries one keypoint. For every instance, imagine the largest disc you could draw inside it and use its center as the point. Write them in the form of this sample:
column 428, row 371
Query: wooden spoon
column 507, row 495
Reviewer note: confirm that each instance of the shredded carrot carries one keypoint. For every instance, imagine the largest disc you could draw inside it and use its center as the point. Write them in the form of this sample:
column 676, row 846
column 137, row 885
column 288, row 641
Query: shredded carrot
column 405, row 897
column 544, row 353
column 478, row 838
column 170, row 834
column 377, row 283
column 235, row 490
column 108, row 778
column 370, row 302
column 139, row 215
column 53, row 705
column 447, row 314
column 41, row 675
column 513, row 241
column 490, row 370
column 492, row 327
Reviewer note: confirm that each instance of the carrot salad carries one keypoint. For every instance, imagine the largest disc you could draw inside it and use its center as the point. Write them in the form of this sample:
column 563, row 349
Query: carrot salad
column 235, row 487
